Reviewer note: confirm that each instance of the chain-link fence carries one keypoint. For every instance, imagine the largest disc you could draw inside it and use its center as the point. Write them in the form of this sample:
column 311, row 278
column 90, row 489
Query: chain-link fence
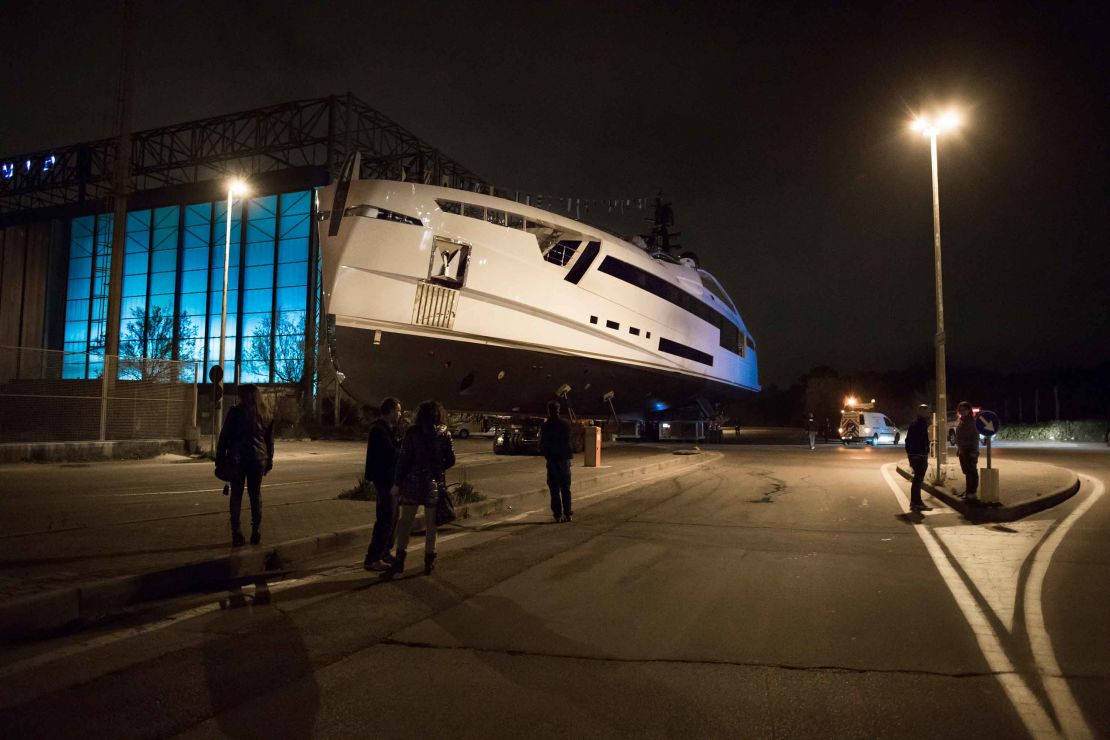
column 54, row 396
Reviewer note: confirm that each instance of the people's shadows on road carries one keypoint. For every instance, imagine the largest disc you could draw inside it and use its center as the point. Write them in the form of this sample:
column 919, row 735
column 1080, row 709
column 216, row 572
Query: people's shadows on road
column 526, row 652
column 259, row 676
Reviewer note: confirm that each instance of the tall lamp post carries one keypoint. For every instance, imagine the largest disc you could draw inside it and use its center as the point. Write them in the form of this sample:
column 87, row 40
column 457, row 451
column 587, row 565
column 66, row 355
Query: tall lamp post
column 235, row 187
column 932, row 127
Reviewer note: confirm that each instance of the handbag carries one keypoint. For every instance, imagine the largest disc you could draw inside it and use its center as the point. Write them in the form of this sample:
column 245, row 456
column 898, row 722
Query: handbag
column 445, row 507
column 227, row 467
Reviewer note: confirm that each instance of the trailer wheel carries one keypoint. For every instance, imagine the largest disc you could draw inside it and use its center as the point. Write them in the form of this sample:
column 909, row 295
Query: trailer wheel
column 464, row 433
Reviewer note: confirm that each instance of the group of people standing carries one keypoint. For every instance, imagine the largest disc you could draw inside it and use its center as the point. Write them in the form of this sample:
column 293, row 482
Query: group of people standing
column 967, row 450
column 408, row 471
column 406, row 465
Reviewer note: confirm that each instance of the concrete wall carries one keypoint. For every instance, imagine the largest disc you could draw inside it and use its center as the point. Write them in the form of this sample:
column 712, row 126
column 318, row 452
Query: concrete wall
column 28, row 275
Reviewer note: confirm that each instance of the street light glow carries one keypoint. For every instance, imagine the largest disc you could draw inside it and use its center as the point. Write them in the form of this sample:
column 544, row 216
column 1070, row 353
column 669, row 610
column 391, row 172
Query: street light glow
column 931, row 126
column 237, row 187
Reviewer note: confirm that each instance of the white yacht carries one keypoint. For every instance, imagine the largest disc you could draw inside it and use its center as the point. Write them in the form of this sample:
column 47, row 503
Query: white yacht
column 490, row 305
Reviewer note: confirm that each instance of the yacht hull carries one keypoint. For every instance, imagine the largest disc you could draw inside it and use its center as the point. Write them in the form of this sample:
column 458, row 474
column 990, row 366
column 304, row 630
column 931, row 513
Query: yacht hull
column 493, row 378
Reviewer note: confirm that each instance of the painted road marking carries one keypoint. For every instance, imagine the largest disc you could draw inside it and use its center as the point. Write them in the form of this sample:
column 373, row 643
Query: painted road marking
column 1071, row 717
column 993, row 559
column 1025, row 702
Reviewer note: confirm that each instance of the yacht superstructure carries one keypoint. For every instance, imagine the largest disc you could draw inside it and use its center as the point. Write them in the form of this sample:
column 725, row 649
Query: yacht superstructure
column 490, row 305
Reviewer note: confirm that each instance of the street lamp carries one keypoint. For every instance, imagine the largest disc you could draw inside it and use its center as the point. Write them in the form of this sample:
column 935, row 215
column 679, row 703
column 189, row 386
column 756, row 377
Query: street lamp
column 234, row 187
column 933, row 126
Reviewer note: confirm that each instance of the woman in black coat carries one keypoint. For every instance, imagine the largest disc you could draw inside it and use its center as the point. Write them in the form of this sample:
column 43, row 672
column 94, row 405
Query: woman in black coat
column 426, row 454
column 247, row 444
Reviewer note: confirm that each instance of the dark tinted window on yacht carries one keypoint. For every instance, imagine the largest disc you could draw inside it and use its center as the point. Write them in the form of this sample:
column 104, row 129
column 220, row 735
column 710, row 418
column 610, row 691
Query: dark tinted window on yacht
column 495, row 217
column 474, row 211
column 681, row 350
column 562, row 252
column 656, row 285
column 450, row 206
column 515, row 221
column 633, row 331
column 730, row 338
column 609, row 324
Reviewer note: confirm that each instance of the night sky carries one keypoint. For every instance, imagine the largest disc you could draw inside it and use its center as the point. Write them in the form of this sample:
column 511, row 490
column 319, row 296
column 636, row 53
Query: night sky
column 778, row 131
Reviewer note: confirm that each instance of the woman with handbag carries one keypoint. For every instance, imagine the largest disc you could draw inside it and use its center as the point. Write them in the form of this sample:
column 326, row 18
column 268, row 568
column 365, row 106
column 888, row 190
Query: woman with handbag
column 426, row 454
column 244, row 454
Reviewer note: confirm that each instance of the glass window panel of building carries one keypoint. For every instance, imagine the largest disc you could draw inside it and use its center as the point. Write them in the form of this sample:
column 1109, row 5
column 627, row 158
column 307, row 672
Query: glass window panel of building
column 173, row 290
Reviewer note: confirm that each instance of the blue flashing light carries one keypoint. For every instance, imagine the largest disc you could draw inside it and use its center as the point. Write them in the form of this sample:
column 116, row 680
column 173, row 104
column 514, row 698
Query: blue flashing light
column 27, row 165
column 48, row 163
column 8, row 170
column 660, row 406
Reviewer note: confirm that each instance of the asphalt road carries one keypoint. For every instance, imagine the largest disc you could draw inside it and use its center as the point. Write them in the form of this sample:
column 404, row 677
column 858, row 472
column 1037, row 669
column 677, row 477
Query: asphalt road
column 763, row 592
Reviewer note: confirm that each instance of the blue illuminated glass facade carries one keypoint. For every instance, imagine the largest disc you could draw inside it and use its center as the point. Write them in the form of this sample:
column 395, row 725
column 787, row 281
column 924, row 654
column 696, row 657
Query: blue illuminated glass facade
column 173, row 288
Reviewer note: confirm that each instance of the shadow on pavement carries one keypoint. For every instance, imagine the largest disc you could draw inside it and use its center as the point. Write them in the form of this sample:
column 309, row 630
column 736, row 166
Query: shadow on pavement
column 253, row 664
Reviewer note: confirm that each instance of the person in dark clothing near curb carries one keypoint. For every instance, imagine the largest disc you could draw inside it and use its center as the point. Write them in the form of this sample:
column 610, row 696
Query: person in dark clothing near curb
column 382, row 449
column 247, row 438
column 917, row 450
column 426, row 455
column 811, row 427
column 967, row 449
column 555, row 445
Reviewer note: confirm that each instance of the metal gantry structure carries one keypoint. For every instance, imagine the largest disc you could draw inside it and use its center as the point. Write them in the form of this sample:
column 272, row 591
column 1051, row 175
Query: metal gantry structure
column 318, row 132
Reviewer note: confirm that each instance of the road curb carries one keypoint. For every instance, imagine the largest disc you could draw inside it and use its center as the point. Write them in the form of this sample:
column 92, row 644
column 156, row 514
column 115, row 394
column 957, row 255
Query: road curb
column 41, row 614
column 986, row 513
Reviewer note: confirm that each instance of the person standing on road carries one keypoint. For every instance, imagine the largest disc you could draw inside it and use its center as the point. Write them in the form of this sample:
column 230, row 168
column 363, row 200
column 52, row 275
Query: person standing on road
column 555, row 445
column 967, row 448
column 247, row 439
column 382, row 449
column 917, row 450
column 420, row 479
column 811, row 427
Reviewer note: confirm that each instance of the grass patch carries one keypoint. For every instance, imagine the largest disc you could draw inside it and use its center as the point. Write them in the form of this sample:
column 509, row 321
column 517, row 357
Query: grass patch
column 464, row 493
column 363, row 491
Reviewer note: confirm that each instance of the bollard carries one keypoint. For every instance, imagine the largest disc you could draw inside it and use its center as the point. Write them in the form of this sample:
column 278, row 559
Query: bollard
column 591, row 447
column 988, row 486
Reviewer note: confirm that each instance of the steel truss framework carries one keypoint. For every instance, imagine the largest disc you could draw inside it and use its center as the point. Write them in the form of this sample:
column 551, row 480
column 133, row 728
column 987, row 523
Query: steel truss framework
column 316, row 132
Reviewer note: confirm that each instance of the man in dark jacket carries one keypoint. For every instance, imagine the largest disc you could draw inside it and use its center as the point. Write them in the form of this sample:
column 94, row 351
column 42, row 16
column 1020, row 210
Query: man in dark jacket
column 555, row 445
column 382, row 448
column 917, row 450
column 967, row 449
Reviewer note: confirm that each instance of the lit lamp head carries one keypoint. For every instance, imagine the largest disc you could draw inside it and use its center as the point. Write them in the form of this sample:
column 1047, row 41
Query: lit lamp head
column 237, row 187
column 931, row 126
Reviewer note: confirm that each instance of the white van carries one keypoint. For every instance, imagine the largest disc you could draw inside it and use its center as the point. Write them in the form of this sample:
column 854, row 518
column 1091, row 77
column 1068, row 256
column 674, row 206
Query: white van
column 870, row 427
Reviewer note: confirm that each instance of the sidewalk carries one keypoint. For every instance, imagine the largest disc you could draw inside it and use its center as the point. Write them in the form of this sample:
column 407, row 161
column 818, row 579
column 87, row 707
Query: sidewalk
column 55, row 575
column 1024, row 488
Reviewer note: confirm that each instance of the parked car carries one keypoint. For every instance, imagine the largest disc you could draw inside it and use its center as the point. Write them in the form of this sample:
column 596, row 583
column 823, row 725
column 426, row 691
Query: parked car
column 466, row 429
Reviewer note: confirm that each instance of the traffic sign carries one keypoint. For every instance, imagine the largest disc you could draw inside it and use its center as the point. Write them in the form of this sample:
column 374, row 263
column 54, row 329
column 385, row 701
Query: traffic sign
column 988, row 423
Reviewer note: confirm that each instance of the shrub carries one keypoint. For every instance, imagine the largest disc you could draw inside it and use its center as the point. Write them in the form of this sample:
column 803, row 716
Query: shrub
column 1055, row 431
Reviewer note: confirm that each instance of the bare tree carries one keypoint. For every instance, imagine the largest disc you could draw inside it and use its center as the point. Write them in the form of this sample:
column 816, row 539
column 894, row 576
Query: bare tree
column 285, row 346
column 147, row 345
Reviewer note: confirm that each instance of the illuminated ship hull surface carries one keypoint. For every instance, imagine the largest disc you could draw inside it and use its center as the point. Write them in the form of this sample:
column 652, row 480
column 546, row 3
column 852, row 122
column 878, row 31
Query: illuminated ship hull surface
column 489, row 305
